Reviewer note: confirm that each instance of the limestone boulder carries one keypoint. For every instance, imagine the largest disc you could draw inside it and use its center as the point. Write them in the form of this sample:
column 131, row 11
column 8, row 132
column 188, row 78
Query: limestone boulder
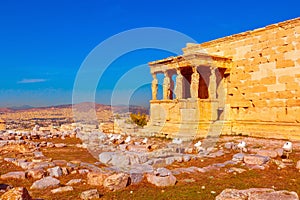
column 256, row 159
column 162, row 172
column 141, row 168
column 13, row 175
column 283, row 194
column 238, row 157
column 18, row 193
column 36, row 173
column 120, row 160
column 136, row 177
column 90, row 194
column 105, row 157
column 256, row 194
column 45, row 183
column 117, row 181
column 162, row 177
column 62, row 189
column 74, row 181
column 55, row 171
column 97, row 178
column 43, row 165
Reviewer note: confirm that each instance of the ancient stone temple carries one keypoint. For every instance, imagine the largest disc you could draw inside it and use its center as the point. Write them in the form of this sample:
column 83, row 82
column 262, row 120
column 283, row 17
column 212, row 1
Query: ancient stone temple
column 2, row 125
column 244, row 84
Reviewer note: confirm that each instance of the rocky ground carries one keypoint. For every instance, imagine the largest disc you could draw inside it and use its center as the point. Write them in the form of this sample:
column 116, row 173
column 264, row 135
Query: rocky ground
column 79, row 165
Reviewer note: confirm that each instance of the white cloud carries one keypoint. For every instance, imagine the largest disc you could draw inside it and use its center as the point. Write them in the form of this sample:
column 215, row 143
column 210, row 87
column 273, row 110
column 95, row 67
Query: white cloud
column 39, row 80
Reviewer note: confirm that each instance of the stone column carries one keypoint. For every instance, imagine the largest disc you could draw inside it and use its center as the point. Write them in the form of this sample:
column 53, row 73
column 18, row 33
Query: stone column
column 154, row 86
column 195, row 83
column 178, row 87
column 212, row 89
column 166, row 86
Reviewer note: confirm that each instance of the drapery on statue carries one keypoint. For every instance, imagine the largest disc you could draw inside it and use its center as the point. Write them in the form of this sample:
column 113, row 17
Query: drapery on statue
column 178, row 86
column 154, row 87
column 167, row 86
column 195, row 83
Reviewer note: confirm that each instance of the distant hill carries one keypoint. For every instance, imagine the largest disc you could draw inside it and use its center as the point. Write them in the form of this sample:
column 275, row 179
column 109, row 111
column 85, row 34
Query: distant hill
column 82, row 107
column 5, row 110
column 23, row 107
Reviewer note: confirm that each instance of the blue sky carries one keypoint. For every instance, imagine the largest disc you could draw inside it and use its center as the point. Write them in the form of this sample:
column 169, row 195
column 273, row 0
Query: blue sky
column 44, row 43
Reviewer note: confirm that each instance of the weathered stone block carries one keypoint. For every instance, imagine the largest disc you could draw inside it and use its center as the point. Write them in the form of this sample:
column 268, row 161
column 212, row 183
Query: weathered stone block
column 256, row 159
column 90, row 194
column 285, row 63
column 161, row 181
column 96, row 178
column 116, row 181
column 267, row 153
column 18, row 193
column 13, row 175
column 45, row 183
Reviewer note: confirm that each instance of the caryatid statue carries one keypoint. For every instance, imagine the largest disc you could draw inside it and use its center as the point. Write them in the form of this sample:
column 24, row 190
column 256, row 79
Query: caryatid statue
column 178, row 86
column 195, row 83
column 167, row 86
column 154, row 87
column 212, row 88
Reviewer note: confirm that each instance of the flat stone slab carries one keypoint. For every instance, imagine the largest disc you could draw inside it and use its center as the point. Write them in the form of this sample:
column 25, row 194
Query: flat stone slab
column 55, row 171
column 60, row 145
column 45, row 183
column 267, row 153
column 62, row 189
column 256, row 159
column 238, row 157
column 36, row 173
column 256, row 194
column 14, row 175
column 116, row 181
column 74, row 181
column 97, row 178
column 90, row 194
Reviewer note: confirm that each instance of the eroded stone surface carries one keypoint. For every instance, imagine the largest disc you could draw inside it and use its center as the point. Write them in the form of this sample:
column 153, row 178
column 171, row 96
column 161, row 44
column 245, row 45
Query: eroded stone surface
column 161, row 181
column 268, row 153
column 18, row 193
column 256, row 194
column 45, row 183
column 116, row 181
column 13, row 175
column 55, row 171
column 90, row 194
column 62, row 189
column 255, row 159
column 97, row 178
column 74, row 181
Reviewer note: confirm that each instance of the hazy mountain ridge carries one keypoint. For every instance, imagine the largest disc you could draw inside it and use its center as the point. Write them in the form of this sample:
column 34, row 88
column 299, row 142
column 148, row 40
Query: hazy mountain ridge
column 85, row 106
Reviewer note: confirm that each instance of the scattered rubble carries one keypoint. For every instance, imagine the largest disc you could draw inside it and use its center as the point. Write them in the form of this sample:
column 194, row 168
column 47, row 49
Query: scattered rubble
column 256, row 194
column 19, row 193
column 125, row 160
